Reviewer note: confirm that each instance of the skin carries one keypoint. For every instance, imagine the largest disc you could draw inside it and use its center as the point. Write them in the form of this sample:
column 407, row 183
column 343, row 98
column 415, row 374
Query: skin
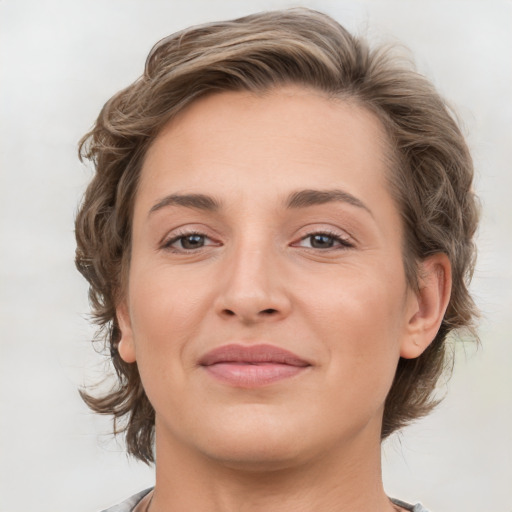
column 256, row 275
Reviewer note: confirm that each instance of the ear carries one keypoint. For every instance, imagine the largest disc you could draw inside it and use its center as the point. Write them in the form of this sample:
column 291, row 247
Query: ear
column 427, row 305
column 126, row 346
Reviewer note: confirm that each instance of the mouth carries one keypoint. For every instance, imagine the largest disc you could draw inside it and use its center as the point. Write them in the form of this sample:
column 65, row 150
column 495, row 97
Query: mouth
column 252, row 366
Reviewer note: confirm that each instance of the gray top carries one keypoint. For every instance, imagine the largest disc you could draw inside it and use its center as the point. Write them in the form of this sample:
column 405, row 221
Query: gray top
column 129, row 504
column 413, row 508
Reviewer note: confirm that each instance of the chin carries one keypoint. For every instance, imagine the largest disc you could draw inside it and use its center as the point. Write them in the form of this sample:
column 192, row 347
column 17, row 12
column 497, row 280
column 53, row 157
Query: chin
column 253, row 443
column 255, row 456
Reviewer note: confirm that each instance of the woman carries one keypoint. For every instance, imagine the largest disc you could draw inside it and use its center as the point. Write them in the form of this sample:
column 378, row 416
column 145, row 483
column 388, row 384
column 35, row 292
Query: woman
column 278, row 241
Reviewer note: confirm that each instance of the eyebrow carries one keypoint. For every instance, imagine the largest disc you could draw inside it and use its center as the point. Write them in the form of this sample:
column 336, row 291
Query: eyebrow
column 299, row 199
column 305, row 198
column 195, row 201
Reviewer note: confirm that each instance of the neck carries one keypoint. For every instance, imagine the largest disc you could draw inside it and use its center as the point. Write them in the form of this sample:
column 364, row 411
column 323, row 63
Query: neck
column 345, row 479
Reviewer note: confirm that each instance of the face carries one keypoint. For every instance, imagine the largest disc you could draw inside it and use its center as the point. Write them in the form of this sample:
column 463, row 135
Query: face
column 267, row 305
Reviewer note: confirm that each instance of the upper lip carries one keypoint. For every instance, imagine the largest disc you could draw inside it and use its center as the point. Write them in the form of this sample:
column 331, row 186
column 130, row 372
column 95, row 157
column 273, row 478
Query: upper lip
column 251, row 354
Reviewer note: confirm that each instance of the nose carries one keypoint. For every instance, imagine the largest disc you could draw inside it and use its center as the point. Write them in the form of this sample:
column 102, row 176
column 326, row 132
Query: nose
column 253, row 288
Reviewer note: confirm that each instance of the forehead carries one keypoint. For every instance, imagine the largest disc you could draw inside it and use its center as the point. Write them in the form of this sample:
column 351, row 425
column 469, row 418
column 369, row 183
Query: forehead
column 287, row 137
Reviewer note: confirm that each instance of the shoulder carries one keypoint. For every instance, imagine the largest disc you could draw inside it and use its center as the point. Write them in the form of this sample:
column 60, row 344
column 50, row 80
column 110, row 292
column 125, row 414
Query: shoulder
column 129, row 504
column 412, row 508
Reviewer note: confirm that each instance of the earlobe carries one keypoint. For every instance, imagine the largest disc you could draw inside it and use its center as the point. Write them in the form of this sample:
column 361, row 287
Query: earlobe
column 428, row 305
column 126, row 346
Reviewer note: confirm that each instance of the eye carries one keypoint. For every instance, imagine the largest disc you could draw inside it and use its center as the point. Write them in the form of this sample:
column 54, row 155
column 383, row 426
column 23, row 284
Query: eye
column 188, row 242
column 324, row 241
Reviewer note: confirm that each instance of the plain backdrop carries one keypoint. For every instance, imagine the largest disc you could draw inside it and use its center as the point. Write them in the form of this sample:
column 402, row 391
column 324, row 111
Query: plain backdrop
column 60, row 61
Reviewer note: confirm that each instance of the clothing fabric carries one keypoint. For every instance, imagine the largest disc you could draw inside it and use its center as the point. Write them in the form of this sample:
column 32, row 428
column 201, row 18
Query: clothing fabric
column 129, row 504
column 413, row 508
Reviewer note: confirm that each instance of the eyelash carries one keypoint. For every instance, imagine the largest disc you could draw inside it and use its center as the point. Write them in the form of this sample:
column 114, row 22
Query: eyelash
column 168, row 245
column 344, row 243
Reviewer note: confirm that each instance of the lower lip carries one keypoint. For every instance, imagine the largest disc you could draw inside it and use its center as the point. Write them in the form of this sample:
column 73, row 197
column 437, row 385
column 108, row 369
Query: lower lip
column 252, row 375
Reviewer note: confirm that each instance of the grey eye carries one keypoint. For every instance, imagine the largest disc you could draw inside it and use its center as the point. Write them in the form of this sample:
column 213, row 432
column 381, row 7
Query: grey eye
column 321, row 241
column 191, row 241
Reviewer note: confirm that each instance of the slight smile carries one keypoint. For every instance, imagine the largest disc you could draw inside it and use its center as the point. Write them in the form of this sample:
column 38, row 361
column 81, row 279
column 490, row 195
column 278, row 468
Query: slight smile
column 252, row 366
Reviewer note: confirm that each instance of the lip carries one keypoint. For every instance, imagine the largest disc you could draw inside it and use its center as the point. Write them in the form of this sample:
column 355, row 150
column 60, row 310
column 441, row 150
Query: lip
column 252, row 366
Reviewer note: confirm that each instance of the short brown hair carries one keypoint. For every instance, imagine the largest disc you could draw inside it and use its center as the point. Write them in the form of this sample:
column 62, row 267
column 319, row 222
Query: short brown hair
column 431, row 178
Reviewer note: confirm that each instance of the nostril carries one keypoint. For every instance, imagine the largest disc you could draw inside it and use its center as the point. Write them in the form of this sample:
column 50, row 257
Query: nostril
column 252, row 316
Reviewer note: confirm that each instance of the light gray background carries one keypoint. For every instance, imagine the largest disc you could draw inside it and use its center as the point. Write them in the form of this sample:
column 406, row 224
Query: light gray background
column 60, row 61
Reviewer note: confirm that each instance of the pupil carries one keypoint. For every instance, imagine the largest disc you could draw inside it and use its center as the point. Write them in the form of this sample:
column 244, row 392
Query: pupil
column 192, row 241
column 321, row 241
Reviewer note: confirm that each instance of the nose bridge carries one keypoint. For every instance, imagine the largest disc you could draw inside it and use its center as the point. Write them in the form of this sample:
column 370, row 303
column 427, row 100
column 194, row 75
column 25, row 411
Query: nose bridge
column 251, row 289
column 251, row 269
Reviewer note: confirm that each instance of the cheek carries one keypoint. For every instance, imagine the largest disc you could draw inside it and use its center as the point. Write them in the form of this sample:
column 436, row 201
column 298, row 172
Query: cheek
column 164, row 320
column 165, row 311
column 359, row 316
column 359, row 300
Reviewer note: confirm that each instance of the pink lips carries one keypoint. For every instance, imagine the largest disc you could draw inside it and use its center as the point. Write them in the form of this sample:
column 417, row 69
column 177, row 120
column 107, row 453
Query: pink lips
column 252, row 366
